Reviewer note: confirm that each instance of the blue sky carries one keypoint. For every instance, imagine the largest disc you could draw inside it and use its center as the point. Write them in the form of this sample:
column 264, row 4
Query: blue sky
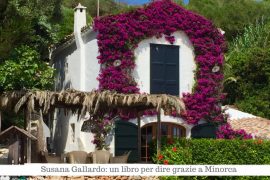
column 137, row 2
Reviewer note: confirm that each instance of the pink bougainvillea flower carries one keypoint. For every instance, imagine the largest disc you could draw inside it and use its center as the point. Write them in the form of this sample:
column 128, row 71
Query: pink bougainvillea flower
column 119, row 35
column 225, row 131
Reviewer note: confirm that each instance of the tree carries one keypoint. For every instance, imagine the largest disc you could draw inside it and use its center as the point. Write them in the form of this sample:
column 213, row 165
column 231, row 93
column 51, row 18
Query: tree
column 106, row 6
column 26, row 22
column 57, row 11
column 231, row 15
column 249, row 57
column 25, row 71
column 3, row 6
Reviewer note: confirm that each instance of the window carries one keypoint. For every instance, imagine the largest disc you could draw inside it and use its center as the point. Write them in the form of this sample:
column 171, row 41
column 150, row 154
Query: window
column 149, row 135
column 146, row 139
column 164, row 69
column 66, row 67
column 72, row 125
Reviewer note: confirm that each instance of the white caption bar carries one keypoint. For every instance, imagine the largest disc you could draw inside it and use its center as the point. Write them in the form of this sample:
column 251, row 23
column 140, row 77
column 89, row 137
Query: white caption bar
column 133, row 170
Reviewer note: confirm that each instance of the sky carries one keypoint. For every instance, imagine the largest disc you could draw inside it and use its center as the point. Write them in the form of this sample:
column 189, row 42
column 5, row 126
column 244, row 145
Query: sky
column 137, row 2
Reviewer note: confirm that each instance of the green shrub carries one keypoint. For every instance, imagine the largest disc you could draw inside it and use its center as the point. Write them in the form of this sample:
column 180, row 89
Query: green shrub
column 25, row 70
column 210, row 151
column 247, row 71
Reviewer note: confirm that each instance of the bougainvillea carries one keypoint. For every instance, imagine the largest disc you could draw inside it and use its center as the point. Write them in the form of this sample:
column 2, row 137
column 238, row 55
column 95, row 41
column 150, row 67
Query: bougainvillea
column 119, row 35
column 101, row 126
column 225, row 131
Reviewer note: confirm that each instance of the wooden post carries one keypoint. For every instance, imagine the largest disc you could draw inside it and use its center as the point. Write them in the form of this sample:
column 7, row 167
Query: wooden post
column 158, row 132
column 16, row 149
column 28, row 127
column 13, row 149
column 24, row 141
column 97, row 8
column 139, row 137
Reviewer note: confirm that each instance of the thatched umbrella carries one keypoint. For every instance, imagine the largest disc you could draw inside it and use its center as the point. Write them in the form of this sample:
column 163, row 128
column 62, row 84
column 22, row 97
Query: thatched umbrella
column 89, row 102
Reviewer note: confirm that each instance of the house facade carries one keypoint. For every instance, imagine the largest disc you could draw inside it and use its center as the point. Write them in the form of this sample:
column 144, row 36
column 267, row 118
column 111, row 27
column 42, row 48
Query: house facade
column 163, row 63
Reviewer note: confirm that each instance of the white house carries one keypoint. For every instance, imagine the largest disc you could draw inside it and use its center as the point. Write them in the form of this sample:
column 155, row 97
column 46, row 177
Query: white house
column 77, row 67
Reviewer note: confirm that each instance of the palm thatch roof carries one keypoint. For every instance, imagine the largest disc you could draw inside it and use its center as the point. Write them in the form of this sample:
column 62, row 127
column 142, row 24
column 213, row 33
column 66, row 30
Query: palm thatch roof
column 83, row 102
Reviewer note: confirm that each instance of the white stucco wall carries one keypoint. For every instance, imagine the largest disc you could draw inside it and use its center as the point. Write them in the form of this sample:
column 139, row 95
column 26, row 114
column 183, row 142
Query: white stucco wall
column 46, row 130
column 236, row 114
column 187, row 64
column 92, row 65
column 74, row 66
column 62, row 136
column 91, row 70
column 77, row 65
column 70, row 63
column 67, row 66
column 65, row 138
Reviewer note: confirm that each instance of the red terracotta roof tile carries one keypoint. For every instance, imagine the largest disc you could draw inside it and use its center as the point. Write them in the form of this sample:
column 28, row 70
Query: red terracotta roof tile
column 259, row 127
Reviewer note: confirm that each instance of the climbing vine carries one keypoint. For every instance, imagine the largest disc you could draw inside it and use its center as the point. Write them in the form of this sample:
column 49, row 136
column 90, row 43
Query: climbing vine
column 119, row 35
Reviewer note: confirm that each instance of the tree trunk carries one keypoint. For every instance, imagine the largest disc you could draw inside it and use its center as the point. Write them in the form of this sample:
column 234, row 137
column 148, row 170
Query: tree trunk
column 97, row 8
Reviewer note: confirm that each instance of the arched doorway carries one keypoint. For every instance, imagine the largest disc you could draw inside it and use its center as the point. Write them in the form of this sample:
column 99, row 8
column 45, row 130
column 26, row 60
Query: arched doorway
column 126, row 139
column 149, row 135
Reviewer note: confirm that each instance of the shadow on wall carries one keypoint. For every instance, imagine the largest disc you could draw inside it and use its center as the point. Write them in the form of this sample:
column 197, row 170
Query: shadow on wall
column 60, row 64
column 61, row 129
column 89, row 36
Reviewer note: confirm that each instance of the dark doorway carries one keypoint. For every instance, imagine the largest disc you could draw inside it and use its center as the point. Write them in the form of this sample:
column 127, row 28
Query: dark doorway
column 164, row 69
column 126, row 139
column 205, row 130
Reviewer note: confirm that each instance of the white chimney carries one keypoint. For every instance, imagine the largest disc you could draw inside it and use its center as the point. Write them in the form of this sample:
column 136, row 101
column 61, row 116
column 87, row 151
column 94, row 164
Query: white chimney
column 79, row 23
column 79, row 18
